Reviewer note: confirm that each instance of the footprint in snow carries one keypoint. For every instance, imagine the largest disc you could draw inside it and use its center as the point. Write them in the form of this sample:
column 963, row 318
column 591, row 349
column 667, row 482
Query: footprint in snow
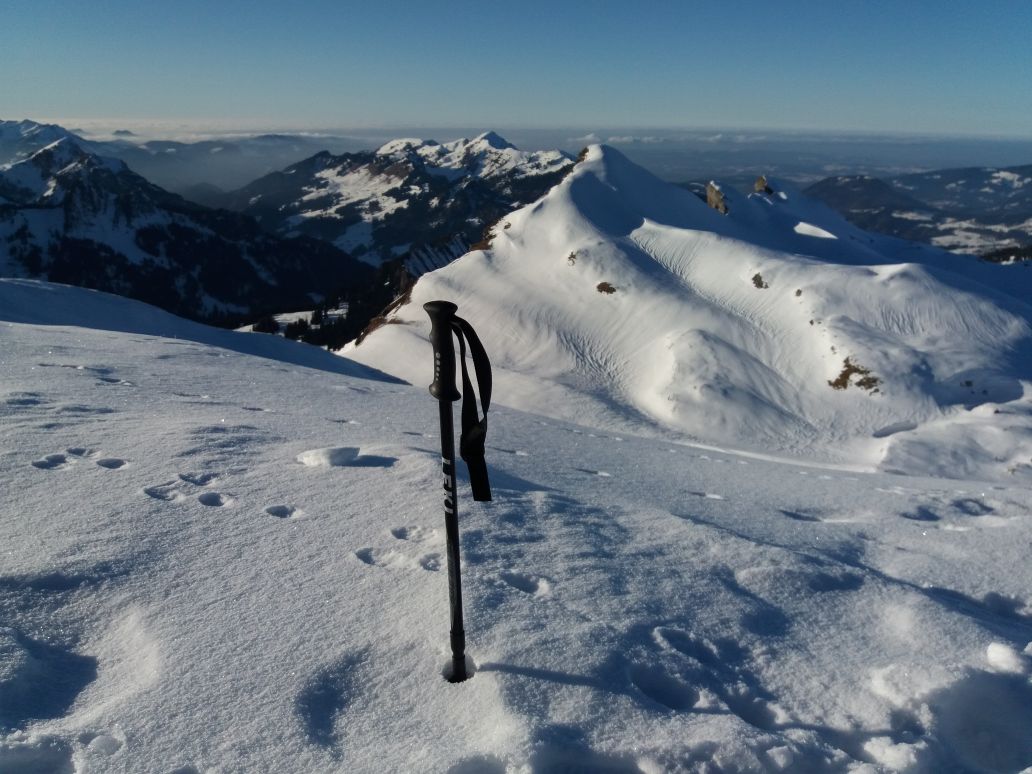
column 718, row 668
column 51, row 462
column 528, row 584
column 284, row 511
column 214, row 499
column 198, row 479
column 25, row 399
column 663, row 688
column 168, row 492
column 395, row 560
column 417, row 534
column 112, row 463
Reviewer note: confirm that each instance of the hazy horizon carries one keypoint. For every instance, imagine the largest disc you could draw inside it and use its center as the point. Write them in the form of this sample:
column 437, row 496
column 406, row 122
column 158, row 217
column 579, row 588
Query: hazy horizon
column 916, row 68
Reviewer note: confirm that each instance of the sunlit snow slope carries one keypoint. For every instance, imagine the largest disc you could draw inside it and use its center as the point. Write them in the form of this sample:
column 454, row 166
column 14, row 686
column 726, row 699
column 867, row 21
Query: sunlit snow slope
column 224, row 552
column 622, row 301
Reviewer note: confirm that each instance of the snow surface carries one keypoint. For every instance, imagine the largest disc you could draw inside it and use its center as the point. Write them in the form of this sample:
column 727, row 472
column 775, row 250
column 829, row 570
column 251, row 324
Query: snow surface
column 731, row 330
column 223, row 552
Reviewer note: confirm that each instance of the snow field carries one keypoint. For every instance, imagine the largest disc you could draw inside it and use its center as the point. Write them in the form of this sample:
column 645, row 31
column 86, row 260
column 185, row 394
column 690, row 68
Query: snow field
column 260, row 584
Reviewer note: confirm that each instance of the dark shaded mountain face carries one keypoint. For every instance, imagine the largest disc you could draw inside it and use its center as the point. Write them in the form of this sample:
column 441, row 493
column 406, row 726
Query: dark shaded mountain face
column 979, row 210
column 70, row 216
column 418, row 202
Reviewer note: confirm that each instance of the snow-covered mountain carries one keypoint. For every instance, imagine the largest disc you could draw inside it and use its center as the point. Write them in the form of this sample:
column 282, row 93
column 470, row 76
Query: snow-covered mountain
column 20, row 139
column 419, row 200
column 224, row 552
column 199, row 170
column 971, row 210
column 71, row 216
column 625, row 302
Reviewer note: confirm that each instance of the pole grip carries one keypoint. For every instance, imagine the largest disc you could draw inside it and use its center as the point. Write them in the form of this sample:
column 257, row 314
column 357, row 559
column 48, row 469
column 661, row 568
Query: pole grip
column 442, row 314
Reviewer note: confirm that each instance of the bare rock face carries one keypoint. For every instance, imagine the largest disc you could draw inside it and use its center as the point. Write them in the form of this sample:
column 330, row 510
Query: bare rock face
column 715, row 198
column 762, row 186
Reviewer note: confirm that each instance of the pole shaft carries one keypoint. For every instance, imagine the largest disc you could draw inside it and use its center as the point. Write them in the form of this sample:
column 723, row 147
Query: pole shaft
column 451, row 524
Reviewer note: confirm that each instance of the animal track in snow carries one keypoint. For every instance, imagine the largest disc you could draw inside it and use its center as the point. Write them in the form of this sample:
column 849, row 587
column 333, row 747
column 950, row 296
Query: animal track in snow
column 112, row 463
column 25, row 400
column 417, row 534
column 284, row 511
column 396, row 560
column 214, row 499
column 719, row 668
column 326, row 697
column 51, row 462
column 80, row 451
column 528, row 584
column 430, row 562
column 663, row 688
column 177, row 489
column 198, row 479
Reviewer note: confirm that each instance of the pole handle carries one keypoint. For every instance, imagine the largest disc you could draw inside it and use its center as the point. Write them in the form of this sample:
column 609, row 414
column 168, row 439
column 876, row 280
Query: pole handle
column 442, row 315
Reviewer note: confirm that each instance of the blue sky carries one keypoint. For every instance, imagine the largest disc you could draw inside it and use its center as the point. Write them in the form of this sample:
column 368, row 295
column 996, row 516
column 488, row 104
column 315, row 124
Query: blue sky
column 904, row 66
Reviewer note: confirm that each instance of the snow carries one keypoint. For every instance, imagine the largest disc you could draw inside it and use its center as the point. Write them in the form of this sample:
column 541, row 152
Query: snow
column 808, row 229
column 731, row 330
column 361, row 185
column 485, row 156
column 921, row 217
column 224, row 552
column 1000, row 177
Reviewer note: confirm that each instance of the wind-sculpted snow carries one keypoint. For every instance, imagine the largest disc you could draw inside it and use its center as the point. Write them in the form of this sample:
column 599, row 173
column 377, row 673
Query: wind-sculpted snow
column 260, row 584
column 621, row 301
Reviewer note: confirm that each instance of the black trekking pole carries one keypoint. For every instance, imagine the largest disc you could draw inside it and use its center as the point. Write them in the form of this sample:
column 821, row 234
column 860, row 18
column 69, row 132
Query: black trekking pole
column 444, row 324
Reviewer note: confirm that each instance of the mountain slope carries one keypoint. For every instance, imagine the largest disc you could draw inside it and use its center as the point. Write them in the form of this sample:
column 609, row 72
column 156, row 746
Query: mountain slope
column 70, row 216
column 20, row 139
column 621, row 301
column 421, row 200
column 214, row 562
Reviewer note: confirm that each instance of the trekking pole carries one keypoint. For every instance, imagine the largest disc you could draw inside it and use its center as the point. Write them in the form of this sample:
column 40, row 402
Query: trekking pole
column 444, row 323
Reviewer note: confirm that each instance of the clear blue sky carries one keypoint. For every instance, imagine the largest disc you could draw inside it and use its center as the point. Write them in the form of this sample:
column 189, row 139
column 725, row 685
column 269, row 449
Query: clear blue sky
column 903, row 65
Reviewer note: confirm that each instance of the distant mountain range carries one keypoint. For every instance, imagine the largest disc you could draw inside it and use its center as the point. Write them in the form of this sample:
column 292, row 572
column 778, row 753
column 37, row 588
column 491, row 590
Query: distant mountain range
column 420, row 201
column 71, row 216
column 182, row 167
column 981, row 210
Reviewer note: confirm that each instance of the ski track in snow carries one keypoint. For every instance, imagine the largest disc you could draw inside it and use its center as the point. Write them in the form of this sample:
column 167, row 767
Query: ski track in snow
column 207, row 587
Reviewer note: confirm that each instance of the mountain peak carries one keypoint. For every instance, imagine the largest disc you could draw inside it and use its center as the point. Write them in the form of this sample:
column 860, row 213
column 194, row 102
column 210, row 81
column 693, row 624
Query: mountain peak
column 494, row 140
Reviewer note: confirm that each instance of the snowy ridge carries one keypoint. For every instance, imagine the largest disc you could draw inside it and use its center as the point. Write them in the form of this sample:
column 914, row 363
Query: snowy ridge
column 623, row 302
column 410, row 194
column 221, row 562
column 486, row 156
